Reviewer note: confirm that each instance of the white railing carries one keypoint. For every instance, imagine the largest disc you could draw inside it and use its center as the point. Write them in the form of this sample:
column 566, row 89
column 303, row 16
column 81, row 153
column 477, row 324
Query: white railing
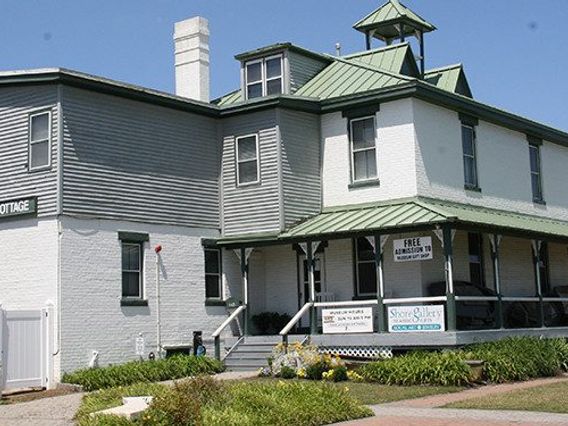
column 347, row 303
column 284, row 332
column 217, row 333
column 410, row 300
column 477, row 299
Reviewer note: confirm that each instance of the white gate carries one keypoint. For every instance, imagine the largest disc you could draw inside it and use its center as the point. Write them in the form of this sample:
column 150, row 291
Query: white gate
column 25, row 342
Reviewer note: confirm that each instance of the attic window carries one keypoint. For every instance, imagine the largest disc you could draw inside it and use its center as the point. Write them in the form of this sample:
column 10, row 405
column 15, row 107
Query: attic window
column 263, row 77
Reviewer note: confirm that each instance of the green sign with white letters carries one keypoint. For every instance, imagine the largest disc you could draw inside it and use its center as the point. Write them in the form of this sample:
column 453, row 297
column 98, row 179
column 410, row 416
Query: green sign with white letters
column 23, row 206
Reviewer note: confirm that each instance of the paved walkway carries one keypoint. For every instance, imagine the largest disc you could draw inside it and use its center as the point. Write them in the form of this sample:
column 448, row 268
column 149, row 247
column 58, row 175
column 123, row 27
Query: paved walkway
column 426, row 412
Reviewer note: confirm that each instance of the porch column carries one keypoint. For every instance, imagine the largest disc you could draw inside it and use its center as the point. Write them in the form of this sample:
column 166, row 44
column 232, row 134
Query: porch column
column 451, row 298
column 495, row 241
column 244, row 255
column 312, row 287
column 536, row 246
column 381, row 312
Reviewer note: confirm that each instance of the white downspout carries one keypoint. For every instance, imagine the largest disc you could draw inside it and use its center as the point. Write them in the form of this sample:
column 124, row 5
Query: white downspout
column 158, row 249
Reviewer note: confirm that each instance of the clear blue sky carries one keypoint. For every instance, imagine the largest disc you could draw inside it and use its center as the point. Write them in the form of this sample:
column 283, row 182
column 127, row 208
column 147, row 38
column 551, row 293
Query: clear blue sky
column 513, row 50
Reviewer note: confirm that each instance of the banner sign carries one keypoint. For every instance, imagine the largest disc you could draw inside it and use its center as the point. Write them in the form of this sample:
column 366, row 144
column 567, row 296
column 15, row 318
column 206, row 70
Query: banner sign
column 412, row 319
column 347, row 320
column 412, row 249
column 18, row 207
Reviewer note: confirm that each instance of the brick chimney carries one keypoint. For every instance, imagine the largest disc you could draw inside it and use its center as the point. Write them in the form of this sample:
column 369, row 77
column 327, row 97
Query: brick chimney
column 191, row 40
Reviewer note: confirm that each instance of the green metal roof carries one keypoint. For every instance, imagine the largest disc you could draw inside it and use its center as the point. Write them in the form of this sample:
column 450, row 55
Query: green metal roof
column 451, row 78
column 348, row 77
column 229, row 99
column 409, row 214
column 266, row 50
column 394, row 58
column 382, row 20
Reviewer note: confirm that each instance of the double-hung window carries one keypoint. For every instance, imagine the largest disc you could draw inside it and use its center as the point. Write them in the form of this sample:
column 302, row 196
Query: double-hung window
column 212, row 273
column 40, row 141
column 469, row 156
column 475, row 248
column 536, row 181
column 363, row 149
column 264, row 77
column 365, row 268
column 132, row 269
column 246, row 148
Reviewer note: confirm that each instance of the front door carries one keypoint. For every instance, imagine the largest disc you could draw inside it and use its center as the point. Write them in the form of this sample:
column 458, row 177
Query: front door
column 304, row 279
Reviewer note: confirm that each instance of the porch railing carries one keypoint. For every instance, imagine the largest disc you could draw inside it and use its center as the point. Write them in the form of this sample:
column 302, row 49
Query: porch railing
column 284, row 332
column 217, row 333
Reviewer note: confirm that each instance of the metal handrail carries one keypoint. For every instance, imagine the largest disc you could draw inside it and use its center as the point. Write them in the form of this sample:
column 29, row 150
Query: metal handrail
column 477, row 299
column 229, row 319
column 219, row 330
column 284, row 332
column 520, row 299
column 407, row 300
column 346, row 303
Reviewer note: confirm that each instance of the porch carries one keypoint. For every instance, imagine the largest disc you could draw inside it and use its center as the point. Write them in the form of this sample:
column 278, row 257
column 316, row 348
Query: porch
column 484, row 274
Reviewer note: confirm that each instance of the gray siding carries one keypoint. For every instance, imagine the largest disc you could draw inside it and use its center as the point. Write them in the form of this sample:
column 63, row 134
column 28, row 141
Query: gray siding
column 254, row 208
column 301, row 170
column 16, row 104
column 302, row 69
column 130, row 160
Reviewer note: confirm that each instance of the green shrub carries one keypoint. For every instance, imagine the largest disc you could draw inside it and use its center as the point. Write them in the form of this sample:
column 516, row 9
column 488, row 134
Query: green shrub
column 182, row 403
column 282, row 403
column 287, row 372
column 202, row 401
column 520, row 358
column 176, row 367
column 315, row 371
column 419, row 368
column 340, row 374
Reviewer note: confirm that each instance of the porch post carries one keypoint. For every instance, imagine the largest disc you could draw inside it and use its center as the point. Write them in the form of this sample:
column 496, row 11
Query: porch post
column 380, row 284
column 451, row 298
column 536, row 245
column 495, row 241
column 244, row 274
column 312, row 287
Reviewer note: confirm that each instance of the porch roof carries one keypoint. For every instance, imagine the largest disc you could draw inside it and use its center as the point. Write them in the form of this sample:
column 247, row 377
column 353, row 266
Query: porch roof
column 406, row 215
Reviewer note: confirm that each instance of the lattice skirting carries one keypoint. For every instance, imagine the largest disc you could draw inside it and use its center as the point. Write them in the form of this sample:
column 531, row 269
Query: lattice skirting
column 366, row 352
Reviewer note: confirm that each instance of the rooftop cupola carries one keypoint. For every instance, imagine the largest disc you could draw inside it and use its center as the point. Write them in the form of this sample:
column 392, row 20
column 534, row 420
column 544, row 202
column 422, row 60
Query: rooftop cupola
column 394, row 21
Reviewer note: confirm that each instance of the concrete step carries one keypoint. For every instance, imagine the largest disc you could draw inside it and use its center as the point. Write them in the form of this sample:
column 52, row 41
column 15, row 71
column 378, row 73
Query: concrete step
column 248, row 355
column 254, row 363
column 254, row 348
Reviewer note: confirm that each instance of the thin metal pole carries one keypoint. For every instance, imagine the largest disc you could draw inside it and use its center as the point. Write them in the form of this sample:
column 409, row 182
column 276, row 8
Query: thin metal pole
column 451, row 298
column 422, row 58
column 380, row 284
column 368, row 40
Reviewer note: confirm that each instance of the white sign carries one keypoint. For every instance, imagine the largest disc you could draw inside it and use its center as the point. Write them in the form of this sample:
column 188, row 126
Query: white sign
column 412, row 249
column 140, row 346
column 347, row 320
column 411, row 319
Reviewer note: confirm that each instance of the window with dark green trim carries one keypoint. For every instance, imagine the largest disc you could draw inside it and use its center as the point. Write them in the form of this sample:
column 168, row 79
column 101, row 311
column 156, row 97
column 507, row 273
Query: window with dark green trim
column 132, row 257
column 363, row 149
column 469, row 156
column 365, row 270
column 536, row 177
column 212, row 273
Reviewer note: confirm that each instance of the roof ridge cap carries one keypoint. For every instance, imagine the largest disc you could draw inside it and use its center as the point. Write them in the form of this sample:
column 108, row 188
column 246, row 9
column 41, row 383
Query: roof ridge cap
column 376, row 50
column 359, row 64
column 444, row 68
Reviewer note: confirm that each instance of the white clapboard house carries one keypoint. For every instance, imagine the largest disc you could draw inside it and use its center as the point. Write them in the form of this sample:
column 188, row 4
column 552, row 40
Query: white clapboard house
column 372, row 200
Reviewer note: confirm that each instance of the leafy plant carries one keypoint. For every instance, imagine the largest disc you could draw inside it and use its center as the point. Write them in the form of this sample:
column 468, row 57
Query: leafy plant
column 176, row 367
column 315, row 371
column 287, row 372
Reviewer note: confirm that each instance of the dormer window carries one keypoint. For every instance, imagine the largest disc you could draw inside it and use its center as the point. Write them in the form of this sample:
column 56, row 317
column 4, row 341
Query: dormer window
column 263, row 77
